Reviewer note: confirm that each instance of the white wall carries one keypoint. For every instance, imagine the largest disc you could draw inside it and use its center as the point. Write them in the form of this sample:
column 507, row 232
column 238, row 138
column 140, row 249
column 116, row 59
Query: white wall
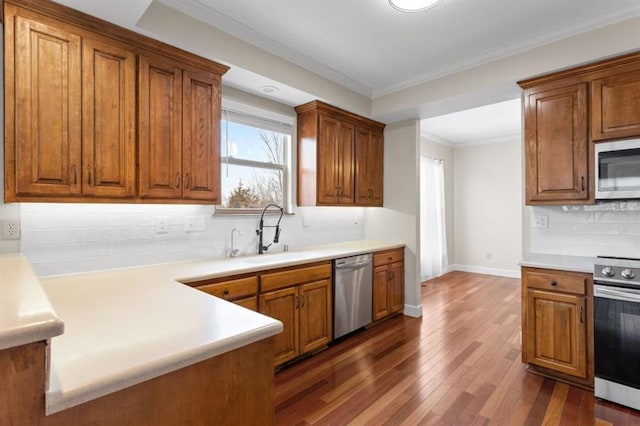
column 606, row 229
column 398, row 220
column 68, row 238
column 441, row 151
column 488, row 206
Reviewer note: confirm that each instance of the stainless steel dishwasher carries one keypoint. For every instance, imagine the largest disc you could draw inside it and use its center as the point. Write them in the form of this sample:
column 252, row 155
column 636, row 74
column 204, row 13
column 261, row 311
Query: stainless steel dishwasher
column 352, row 294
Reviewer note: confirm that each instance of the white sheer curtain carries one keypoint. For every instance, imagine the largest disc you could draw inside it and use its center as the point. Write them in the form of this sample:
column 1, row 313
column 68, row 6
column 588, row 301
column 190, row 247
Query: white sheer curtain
column 433, row 232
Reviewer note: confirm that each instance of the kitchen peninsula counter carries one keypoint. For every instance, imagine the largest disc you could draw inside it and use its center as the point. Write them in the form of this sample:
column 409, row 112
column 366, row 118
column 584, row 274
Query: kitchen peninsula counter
column 126, row 326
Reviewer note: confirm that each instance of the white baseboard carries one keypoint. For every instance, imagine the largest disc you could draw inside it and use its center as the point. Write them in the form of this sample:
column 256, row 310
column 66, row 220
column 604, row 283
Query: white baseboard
column 488, row 271
column 414, row 311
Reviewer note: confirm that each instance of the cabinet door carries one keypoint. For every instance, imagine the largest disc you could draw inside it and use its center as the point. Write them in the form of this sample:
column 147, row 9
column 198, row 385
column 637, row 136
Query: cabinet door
column 556, row 144
column 380, row 292
column 248, row 302
column 368, row 167
column 43, row 106
column 376, row 167
column 283, row 306
column 615, row 109
column 556, row 332
column 201, row 136
column 160, row 128
column 396, row 287
column 109, row 114
column 328, row 160
column 346, row 145
column 315, row 315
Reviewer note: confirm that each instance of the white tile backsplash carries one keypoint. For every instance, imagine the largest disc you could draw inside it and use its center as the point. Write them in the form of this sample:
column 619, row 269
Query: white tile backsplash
column 606, row 228
column 70, row 238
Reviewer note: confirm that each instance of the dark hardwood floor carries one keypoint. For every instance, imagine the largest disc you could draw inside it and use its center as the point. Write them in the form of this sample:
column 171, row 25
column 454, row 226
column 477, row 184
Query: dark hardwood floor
column 457, row 365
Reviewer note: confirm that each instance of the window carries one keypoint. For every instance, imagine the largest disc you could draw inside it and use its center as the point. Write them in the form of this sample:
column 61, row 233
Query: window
column 255, row 154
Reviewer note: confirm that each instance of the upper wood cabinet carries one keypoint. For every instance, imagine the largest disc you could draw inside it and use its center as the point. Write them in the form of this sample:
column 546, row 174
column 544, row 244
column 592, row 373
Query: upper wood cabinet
column 615, row 98
column 566, row 113
column 340, row 157
column 43, row 104
column 556, row 144
column 179, row 146
column 369, row 159
column 335, row 173
column 88, row 102
column 160, row 127
column 201, row 135
column 108, row 119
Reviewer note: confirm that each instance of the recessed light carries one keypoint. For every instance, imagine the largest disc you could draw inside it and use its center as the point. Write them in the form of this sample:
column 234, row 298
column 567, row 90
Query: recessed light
column 413, row 5
column 269, row 90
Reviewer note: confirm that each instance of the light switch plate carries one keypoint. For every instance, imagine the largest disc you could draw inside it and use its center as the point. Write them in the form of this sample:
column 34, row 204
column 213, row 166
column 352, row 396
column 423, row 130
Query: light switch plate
column 162, row 225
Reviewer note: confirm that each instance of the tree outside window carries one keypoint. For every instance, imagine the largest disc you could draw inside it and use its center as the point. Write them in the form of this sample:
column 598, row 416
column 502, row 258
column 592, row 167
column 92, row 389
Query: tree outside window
column 253, row 165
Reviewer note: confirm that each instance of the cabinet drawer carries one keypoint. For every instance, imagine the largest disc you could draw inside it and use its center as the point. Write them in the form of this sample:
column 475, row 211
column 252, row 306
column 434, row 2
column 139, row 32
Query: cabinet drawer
column 293, row 277
column 390, row 256
column 552, row 281
column 233, row 289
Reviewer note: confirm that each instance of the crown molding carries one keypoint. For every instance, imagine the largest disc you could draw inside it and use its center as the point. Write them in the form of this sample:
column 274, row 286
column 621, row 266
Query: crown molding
column 597, row 22
column 516, row 137
column 200, row 11
column 432, row 137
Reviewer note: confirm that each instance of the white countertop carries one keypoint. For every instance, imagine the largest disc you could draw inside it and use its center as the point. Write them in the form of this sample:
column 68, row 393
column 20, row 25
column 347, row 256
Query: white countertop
column 26, row 316
column 129, row 325
column 559, row 262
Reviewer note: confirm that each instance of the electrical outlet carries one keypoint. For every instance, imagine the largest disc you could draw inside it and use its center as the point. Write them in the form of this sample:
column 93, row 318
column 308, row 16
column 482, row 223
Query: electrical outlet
column 541, row 221
column 195, row 224
column 10, row 229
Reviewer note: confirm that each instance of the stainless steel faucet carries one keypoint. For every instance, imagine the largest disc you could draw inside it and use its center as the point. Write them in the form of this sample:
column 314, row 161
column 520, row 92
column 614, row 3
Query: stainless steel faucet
column 234, row 250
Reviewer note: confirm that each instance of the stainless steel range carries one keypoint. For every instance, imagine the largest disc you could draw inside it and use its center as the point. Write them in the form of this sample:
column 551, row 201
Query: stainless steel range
column 617, row 330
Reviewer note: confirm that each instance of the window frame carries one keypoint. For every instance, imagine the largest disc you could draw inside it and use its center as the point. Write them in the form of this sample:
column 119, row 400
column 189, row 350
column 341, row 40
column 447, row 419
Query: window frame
column 273, row 121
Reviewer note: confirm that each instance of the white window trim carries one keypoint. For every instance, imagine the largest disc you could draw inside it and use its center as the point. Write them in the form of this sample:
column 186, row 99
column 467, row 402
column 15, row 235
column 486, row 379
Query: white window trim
column 281, row 123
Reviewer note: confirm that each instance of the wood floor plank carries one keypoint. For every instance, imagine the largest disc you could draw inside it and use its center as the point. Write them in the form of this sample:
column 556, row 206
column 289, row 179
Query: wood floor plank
column 553, row 415
column 459, row 364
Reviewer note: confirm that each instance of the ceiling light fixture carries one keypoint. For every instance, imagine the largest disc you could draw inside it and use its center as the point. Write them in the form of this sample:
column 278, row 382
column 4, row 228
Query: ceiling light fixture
column 269, row 90
column 413, row 5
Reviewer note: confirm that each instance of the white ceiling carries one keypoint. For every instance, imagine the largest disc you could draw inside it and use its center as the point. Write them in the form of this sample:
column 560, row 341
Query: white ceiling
column 477, row 125
column 374, row 49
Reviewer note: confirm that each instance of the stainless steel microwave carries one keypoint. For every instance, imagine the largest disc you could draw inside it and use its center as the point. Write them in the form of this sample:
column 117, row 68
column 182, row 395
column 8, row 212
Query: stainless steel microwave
column 617, row 170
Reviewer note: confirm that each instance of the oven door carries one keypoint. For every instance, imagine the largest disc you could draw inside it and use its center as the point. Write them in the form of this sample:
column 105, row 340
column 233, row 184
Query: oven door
column 617, row 334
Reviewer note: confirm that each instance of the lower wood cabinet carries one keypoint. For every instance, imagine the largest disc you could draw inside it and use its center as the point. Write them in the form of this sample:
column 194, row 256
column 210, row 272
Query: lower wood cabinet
column 241, row 289
column 388, row 283
column 301, row 299
column 557, row 317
